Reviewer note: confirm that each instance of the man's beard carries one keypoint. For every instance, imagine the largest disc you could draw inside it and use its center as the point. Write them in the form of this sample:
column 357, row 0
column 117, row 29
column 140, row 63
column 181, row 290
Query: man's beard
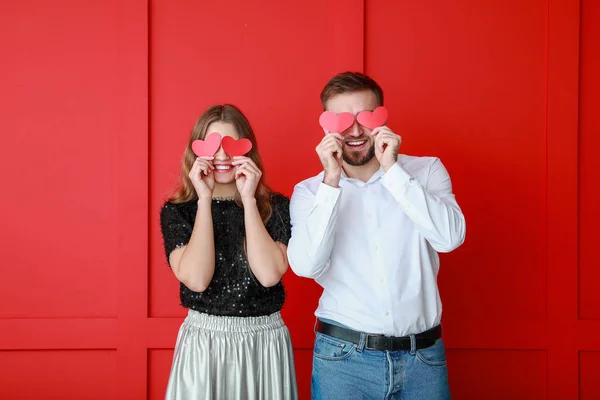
column 357, row 159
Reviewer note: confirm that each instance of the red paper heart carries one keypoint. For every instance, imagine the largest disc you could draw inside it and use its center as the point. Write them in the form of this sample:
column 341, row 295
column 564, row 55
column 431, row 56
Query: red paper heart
column 373, row 119
column 337, row 123
column 207, row 147
column 236, row 147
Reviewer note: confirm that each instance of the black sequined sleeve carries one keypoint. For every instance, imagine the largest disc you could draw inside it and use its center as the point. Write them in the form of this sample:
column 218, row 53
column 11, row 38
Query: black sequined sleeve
column 279, row 226
column 176, row 230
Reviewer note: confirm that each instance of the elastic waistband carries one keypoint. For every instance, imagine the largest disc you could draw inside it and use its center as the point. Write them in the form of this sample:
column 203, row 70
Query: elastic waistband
column 234, row 324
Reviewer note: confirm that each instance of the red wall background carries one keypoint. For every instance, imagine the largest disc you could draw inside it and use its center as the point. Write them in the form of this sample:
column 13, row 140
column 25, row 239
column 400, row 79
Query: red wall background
column 97, row 99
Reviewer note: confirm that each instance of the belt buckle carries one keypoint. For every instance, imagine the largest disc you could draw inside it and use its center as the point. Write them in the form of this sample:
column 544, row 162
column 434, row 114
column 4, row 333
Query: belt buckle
column 379, row 339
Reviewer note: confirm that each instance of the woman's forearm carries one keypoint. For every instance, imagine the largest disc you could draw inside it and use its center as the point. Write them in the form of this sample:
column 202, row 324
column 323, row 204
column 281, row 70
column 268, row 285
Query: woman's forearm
column 266, row 258
column 197, row 263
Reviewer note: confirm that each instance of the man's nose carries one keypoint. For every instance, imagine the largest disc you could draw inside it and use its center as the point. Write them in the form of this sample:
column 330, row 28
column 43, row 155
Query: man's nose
column 355, row 130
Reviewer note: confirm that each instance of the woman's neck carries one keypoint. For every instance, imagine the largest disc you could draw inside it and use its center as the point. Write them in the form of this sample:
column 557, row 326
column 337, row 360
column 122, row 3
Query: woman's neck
column 225, row 190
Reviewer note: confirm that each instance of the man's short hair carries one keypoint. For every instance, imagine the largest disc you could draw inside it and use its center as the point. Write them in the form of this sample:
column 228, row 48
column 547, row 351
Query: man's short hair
column 348, row 82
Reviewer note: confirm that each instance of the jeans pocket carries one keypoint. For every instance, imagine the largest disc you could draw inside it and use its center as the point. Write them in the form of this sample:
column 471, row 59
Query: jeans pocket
column 434, row 355
column 330, row 348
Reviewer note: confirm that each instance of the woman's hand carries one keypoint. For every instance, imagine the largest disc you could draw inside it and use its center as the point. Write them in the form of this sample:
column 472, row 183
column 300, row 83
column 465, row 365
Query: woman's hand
column 247, row 176
column 202, row 176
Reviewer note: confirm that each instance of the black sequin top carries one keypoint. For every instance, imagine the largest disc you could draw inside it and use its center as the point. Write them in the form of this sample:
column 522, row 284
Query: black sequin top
column 233, row 291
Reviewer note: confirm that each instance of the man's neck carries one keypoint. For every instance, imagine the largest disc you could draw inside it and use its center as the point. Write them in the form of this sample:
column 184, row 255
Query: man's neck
column 363, row 172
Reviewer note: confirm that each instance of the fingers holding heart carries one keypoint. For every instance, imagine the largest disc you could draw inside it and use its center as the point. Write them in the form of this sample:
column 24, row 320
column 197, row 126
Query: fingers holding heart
column 381, row 129
column 246, row 167
column 335, row 135
column 387, row 147
column 385, row 137
column 387, row 140
column 243, row 171
column 331, row 145
column 201, row 176
column 204, row 164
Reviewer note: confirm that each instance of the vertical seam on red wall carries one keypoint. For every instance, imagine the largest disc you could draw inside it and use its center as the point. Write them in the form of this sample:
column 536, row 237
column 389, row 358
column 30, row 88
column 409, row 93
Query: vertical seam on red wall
column 133, row 192
column 546, row 159
column 364, row 36
column 563, row 32
column 149, row 135
column 579, row 380
column 149, row 184
column 578, row 155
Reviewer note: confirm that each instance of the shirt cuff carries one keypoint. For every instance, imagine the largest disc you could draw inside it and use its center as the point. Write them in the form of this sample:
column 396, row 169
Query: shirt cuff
column 327, row 194
column 396, row 178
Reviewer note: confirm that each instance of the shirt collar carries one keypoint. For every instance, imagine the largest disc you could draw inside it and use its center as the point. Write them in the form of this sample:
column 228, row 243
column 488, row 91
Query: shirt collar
column 376, row 176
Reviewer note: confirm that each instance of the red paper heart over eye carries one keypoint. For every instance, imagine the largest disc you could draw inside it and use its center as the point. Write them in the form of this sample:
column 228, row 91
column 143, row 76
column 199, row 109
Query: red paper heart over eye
column 373, row 119
column 236, row 148
column 336, row 123
column 207, row 147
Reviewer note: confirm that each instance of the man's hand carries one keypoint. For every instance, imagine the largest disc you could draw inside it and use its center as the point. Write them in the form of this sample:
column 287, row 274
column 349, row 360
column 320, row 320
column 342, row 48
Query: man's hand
column 387, row 146
column 330, row 153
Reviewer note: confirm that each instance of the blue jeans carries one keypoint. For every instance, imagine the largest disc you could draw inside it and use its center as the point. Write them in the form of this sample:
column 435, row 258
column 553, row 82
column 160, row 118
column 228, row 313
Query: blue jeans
column 344, row 370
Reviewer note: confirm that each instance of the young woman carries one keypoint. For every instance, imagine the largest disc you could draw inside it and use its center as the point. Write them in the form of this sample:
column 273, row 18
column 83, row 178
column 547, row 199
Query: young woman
column 225, row 235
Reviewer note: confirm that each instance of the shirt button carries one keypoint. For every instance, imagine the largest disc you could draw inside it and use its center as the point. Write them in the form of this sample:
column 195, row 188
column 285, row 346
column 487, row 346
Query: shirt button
column 369, row 215
column 387, row 313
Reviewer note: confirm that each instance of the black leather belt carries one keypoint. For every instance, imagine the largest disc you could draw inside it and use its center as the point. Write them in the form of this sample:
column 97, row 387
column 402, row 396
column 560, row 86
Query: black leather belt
column 381, row 342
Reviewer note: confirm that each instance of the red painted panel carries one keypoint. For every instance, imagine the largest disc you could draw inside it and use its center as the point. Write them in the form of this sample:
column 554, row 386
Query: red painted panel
column 467, row 83
column 589, row 375
column 58, row 374
column 59, row 333
column 59, row 202
column 159, row 366
column 490, row 374
column 298, row 311
column 303, row 359
column 589, row 162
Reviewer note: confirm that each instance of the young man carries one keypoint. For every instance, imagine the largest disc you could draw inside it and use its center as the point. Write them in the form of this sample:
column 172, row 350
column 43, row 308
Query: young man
column 368, row 229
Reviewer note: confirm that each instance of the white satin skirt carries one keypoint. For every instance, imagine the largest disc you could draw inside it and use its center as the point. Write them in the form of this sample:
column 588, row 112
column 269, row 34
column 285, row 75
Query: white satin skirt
column 218, row 358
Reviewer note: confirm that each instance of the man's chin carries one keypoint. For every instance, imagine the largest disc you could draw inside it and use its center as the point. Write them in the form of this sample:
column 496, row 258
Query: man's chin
column 358, row 159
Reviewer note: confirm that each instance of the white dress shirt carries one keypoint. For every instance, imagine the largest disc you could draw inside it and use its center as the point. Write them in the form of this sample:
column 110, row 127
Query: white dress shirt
column 373, row 246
